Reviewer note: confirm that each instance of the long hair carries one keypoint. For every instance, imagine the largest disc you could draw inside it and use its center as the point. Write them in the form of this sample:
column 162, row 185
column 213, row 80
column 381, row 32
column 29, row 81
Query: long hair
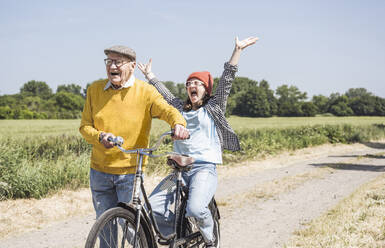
column 187, row 106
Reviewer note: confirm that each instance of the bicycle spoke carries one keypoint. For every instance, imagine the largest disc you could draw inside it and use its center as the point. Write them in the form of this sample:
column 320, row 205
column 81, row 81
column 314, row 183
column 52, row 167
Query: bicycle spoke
column 115, row 233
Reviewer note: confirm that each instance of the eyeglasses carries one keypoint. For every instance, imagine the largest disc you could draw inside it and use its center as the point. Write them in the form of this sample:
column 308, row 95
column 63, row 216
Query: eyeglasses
column 194, row 83
column 117, row 62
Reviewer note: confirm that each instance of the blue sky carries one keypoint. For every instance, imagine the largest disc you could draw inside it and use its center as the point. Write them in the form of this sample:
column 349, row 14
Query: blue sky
column 319, row 46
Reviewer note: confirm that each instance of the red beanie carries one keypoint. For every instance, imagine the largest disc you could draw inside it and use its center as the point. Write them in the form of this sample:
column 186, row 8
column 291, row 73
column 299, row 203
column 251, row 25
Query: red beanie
column 205, row 77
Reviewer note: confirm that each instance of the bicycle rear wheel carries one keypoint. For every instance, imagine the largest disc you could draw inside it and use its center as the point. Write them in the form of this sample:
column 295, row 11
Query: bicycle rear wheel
column 115, row 228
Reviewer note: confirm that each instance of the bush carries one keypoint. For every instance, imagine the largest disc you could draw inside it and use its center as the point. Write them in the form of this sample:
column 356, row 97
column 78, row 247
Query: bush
column 35, row 167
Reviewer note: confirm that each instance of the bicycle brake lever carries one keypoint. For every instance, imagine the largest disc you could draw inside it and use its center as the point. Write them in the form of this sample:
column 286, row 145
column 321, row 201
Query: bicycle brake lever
column 118, row 141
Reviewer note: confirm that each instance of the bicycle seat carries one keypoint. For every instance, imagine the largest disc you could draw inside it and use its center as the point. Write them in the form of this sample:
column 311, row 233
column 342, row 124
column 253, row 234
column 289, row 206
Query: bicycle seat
column 181, row 162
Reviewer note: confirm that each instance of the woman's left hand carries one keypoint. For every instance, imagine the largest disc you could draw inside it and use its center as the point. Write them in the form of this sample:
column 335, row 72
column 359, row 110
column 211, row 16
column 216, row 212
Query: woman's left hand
column 240, row 45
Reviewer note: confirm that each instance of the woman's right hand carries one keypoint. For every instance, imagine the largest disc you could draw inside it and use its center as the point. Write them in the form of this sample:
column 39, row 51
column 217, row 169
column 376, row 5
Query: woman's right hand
column 146, row 69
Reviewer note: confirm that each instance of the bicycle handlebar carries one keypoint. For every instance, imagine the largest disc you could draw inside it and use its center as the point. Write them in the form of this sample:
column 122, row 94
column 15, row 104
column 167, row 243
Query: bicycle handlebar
column 118, row 142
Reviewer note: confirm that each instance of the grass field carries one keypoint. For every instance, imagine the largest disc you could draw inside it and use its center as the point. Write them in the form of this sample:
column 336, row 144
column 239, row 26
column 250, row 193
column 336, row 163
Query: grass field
column 58, row 127
column 42, row 156
column 239, row 123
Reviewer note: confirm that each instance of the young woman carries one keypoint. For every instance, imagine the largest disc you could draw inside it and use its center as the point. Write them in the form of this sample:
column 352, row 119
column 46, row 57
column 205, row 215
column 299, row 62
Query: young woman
column 210, row 133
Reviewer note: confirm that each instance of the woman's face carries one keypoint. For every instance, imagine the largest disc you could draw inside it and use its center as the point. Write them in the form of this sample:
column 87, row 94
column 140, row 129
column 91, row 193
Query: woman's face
column 195, row 90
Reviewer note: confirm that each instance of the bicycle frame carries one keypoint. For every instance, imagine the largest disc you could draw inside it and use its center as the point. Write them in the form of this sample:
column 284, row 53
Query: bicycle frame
column 138, row 189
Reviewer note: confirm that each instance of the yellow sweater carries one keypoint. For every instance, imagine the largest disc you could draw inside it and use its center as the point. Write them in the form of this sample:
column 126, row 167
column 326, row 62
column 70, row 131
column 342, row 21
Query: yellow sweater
column 127, row 113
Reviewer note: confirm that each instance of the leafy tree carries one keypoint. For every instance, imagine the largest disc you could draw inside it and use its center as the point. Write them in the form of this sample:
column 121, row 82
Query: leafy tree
column 309, row 109
column 340, row 107
column 241, row 84
column 379, row 104
column 364, row 105
column 50, row 108
column 321, row 102
column 36, row 88
column 289, row 100
column 240, row 87
column 358, row 92
column 270, row 97
column 71, row 88
column 333, row 98
column 5, row 112
column 10, row 100
column 250, row 98
column 69, row 101
column 253, row 103
column 33, row 103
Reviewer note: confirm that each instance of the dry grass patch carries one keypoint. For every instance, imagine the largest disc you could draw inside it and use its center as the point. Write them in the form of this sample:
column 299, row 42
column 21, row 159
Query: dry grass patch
column 24, row 215
column 357, row 221
column 273, row 188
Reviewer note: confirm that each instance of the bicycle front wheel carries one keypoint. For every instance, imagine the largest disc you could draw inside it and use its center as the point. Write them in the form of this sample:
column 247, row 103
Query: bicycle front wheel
column 115, row 228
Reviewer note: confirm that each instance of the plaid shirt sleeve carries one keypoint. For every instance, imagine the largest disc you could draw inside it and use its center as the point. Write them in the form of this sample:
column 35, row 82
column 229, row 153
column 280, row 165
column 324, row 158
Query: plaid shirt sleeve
column 217, row 108
column 224, row 86
column 167, row 95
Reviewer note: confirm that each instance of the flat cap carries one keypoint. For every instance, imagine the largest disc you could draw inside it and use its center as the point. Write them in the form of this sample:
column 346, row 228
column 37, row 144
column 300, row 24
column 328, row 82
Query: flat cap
column 122, row 50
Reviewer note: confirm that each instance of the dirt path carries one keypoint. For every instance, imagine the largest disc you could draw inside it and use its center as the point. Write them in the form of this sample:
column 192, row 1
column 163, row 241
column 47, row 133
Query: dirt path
column 261, row 202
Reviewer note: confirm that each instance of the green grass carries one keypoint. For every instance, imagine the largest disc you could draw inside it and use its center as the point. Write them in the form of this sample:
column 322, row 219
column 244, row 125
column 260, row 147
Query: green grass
column 22, row 128
column 31, row 128
column 57, row 127
column 39, row 157
column 239, row 123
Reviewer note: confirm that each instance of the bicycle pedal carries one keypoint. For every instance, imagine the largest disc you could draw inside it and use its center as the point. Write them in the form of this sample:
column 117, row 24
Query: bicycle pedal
column 163, row 242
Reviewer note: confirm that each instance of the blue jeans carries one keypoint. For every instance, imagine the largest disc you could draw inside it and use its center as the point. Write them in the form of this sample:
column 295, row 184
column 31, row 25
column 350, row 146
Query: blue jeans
column 107, row 190
column 202, row 183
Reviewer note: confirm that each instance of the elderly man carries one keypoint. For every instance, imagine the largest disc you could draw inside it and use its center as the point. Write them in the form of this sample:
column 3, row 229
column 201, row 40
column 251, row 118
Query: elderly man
column 124, row 106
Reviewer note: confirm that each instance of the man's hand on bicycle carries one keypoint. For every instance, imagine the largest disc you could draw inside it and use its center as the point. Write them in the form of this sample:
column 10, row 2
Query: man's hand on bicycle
column 104, row 140
column 180, row 132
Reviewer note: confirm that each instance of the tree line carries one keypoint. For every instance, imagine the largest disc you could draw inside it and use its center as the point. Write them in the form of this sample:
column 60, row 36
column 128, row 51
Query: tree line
column 36, row 100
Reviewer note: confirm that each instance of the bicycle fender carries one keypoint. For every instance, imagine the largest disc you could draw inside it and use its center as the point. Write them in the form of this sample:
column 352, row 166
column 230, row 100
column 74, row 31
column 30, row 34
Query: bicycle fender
column 215, row 207
column 145, row 220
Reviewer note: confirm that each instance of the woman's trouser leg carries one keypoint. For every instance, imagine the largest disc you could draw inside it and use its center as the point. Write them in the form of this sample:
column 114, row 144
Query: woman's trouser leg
column 202, row 181
column 161, row 200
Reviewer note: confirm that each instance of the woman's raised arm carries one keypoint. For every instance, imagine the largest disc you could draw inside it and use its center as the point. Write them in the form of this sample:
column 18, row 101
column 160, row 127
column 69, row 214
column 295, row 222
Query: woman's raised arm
column 239, row 46
column 225, row 82
column 146, row 69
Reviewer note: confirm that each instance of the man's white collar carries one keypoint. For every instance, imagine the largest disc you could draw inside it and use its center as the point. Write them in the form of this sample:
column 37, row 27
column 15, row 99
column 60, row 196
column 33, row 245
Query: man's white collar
column 128, row 83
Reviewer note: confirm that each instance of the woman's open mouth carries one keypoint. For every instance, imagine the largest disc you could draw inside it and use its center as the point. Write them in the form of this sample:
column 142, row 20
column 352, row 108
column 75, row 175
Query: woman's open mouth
column 193, row 93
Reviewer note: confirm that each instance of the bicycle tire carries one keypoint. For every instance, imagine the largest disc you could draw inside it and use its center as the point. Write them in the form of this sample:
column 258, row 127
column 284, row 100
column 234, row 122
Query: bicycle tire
column 186, row 226
column 116, row 219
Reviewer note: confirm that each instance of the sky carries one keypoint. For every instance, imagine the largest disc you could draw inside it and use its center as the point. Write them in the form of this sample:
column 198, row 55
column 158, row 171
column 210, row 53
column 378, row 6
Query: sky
column 321, row 47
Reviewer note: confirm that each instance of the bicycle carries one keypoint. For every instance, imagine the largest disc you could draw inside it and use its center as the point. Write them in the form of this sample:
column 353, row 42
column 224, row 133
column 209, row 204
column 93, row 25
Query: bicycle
column 133, row 224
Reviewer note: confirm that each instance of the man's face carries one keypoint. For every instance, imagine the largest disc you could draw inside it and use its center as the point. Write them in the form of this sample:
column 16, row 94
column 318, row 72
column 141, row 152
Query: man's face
column 120, row 70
